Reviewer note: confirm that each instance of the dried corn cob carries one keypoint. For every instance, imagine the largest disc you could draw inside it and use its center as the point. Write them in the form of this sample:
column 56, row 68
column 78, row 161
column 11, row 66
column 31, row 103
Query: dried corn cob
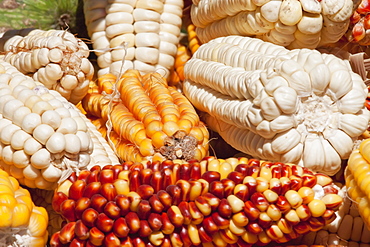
column 149, row 119
column 290, row 23
column 193, row 39
column 44, row 138
column 149, row 29
column 22, row 223
column 231, row 202
column 356, row 175
column 43, row 198
column 359, row 28
column 278, row 104
column 55, row 58
column 348, row 229
column 177, row 74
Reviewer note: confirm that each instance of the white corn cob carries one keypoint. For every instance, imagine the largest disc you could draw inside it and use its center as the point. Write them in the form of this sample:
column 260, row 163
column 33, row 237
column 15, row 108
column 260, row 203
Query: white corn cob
column 297, row 106
column 43, row 137
column 134, row 34
column 55, row 58
column 290, row 23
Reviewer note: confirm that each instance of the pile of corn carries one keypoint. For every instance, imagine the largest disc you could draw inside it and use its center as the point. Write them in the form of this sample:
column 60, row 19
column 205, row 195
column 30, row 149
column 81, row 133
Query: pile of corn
column 110, row 132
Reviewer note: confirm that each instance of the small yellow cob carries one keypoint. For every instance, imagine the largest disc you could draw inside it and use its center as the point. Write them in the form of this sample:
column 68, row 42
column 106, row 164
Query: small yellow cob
column 357, row 179
column 212, row 202
column 22, row 223
column 149, row 119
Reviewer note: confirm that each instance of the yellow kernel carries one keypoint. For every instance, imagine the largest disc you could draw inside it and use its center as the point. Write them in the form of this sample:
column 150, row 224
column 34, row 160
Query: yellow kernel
column 21, row 215
column 317, row 207
column 294, row 199
column 153, row 127
column 38, row 224
column 307, row 194
column 185, row 125
column 146, row 147
column 6, row 216
column 170, row 128
column 158, row 139
column 225, row 169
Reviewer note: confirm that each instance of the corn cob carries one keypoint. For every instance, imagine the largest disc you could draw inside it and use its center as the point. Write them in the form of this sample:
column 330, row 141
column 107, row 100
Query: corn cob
column 44, row 138
column 177, row 74
column 138, row 34
column 231, row 202
column 149, row 120
column 193, row 39
column 22, row 223
column 356, row 179
column 278, row 104
column 348, row 229
column 55, row 58
column 290, row 23
column 359, row 28
column 43, row 198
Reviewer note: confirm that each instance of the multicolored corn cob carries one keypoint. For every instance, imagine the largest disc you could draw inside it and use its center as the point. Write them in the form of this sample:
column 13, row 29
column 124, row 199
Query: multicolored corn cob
column 231, row 202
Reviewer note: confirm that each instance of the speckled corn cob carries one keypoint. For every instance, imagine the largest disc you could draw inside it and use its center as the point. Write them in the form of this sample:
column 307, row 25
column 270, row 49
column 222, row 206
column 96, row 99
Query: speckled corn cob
column 232, row 202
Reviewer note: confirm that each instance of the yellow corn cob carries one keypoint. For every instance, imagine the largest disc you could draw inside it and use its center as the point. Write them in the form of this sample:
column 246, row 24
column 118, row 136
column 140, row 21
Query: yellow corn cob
column 290, row 23
column 55, row 58
column 44, row 138
column 138, row 34
column 230, row 202
column 43, row 198
column 22, row 223
column 357, row 179
column 149, row 119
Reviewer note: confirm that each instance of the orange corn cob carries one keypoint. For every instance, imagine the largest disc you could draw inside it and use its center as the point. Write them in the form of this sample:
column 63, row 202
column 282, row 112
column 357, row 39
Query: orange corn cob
column 193, row 39
column 149, row 119
column 21, row 222
column 177, row 74
column 212, row 202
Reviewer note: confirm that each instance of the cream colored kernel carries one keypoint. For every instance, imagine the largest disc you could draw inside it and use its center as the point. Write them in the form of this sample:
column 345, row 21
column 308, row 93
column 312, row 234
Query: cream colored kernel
column 119, row 29
column 31, row 173
column 30, row 122
column 51, row 173
column 7, row 132
column 56, row 143
column 141, row 14
column 42, row 133
column 19, row 139
column 41, row 159
column 19, row 115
